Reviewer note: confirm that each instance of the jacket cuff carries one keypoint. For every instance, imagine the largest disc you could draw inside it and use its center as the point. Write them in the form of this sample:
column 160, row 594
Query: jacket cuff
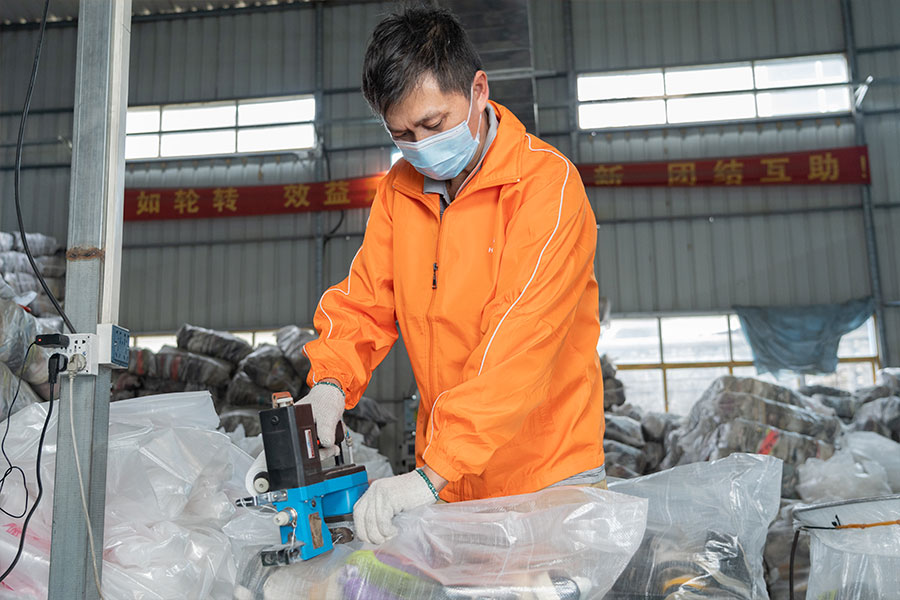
column 441, row 465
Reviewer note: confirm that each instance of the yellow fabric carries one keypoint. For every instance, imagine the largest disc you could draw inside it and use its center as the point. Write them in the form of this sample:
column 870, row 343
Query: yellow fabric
column 503, row 348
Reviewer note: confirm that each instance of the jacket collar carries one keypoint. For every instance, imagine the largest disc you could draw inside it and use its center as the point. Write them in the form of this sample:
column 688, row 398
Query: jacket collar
column 502, row 161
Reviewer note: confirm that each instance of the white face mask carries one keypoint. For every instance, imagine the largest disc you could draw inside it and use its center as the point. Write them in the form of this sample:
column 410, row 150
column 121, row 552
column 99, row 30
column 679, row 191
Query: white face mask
column 443, row 155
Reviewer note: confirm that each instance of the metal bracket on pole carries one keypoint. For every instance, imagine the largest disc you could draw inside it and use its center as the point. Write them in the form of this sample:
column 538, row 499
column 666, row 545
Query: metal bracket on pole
column 92, row 285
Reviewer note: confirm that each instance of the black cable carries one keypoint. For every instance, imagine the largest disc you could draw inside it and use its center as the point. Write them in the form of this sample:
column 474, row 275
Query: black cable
column 11, row 468
column 791, row 572
column 40, row 486
column 338, row 226
column 18, row 168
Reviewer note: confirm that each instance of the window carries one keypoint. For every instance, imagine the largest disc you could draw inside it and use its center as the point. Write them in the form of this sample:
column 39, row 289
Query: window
column 254, row 125
column 804, row 85
column 156, row 341
column 666, row 363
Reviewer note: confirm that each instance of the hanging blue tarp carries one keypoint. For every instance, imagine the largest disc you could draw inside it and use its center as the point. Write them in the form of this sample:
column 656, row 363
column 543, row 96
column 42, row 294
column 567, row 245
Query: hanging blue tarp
column 803, row 339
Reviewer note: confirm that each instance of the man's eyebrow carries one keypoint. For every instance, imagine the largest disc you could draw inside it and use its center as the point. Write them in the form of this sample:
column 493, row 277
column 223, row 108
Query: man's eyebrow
column 429, row 117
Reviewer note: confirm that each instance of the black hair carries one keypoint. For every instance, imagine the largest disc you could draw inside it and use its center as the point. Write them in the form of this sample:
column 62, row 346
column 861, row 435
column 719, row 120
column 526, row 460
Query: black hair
column 410, row 43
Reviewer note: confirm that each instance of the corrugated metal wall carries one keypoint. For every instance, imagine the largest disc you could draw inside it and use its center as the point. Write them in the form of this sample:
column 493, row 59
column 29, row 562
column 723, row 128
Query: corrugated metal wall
column 658, row 252
column 877, row 27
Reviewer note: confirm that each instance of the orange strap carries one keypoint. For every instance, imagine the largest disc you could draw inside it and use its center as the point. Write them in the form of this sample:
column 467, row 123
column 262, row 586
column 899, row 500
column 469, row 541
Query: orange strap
column 867, row 525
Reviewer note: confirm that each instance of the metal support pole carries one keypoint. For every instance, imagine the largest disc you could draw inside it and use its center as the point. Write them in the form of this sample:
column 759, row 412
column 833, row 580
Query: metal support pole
column 571, row 82
column 866, row 193
column 92, row 282
column 321, row 171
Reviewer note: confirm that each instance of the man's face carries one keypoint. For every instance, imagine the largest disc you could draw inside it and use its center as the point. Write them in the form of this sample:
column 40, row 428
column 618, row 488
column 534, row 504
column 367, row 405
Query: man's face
column 426, row 110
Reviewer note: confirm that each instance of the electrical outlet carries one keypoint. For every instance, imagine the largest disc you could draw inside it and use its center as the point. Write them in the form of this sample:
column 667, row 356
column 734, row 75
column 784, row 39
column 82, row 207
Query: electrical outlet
column 114, row 345
column 84, row 344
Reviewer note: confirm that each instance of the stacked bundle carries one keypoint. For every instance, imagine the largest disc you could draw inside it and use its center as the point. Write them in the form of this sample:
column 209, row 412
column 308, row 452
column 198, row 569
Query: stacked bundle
column 613, row 389
column 748, row 415
column 204, row 360
column 18, row 274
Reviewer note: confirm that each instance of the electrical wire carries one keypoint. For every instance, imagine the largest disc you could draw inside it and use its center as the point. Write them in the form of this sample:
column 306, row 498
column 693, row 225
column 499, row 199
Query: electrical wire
column 11, row 468
column 87, row 517
column 18, row 168
column 40, row 487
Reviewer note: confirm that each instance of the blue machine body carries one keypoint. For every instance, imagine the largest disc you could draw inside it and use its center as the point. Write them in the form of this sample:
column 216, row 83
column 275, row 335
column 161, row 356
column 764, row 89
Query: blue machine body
column 315, row 503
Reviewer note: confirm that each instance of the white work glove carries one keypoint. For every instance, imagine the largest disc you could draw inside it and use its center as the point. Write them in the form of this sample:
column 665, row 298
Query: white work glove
column 327, row 403
column 373, row 513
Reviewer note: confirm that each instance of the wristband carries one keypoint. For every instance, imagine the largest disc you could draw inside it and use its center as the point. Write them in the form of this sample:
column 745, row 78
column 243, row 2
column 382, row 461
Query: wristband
column 428, row 481
column 334, row 385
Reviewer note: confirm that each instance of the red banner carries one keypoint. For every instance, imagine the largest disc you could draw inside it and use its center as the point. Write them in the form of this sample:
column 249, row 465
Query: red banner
column 205, row 203
column 836, row 165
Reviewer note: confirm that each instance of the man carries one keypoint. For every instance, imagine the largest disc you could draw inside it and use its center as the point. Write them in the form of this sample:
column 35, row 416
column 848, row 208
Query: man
column 480, row 244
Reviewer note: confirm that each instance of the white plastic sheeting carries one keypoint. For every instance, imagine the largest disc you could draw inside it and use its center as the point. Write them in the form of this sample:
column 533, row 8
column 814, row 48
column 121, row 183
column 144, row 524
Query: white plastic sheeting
column 171, row 528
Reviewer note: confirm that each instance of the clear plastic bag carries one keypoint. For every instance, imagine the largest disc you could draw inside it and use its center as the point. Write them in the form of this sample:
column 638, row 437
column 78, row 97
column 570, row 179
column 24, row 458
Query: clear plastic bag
column 853, row 563
column 8, row 385
column 867, row 446
column 171, row 529
column 559, row 543
column 706, row 527
column 840, row 478
column 17, row 331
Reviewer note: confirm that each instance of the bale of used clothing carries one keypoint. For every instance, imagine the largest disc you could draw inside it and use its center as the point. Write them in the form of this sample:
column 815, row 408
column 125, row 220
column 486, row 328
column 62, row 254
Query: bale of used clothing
column 23, row 283
column 242, row 391
column 230, row 418
column 891, row 379
column 749, row 385
column 657, row 425
column 629, row 410
column 123, row 380
column 142, row 361
column 7, row 241
column 613, row 393
column 741, row 435
column 706, row 528
column 844, row 407
column 867, row 394
column 731, row 405
column 653, row 456
column 624, row 429
column 38, row 243
column 624, row 455
column 218, row 344
column 42, row 306
column 181, row 365
column 291, row 340
column 367, row 418
column 881, row 416
column 53, row 265
column 268, row 368
column 17, row 331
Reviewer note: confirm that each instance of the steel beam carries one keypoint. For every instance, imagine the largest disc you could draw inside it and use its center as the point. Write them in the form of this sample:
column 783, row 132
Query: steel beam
column 866, row 193
column 92, row 285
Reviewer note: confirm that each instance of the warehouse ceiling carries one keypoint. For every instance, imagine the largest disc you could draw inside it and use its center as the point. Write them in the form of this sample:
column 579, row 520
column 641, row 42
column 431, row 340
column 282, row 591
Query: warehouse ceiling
column 27, row 11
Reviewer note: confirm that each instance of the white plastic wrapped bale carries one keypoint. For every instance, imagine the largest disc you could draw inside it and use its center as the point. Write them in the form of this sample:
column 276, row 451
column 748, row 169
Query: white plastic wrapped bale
column 171, row 529
column 17, row 331
column 560, row 543
column 859, row 560
column 9, row 386
column 706, row 527
column 38, row 243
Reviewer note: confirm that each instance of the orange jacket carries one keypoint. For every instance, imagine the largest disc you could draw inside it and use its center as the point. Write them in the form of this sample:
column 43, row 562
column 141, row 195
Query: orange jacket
column 498, row 306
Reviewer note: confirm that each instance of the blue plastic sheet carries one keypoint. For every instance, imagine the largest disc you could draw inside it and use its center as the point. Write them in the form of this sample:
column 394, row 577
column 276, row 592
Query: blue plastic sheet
column 803, row 339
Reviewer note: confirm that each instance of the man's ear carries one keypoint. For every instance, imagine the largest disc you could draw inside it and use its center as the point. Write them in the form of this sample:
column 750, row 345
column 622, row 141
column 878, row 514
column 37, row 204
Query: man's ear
column 481, row 90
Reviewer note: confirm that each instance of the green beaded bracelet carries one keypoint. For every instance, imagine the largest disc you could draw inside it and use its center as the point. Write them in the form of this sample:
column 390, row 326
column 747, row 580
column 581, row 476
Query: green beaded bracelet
column 428, row 481
column 334, row 385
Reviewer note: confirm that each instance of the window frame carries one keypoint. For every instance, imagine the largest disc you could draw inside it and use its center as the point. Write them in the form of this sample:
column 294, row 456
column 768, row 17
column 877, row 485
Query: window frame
column 756, row 90
column 873, row 360
column 161, row 131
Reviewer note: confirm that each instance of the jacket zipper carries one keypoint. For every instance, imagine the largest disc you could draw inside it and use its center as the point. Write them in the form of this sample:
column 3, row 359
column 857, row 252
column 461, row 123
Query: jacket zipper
column 432, row 368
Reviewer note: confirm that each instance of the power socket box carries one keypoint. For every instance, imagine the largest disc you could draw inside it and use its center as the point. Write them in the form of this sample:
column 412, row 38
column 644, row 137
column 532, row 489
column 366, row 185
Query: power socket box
column 114, row 345
column 84, row 344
